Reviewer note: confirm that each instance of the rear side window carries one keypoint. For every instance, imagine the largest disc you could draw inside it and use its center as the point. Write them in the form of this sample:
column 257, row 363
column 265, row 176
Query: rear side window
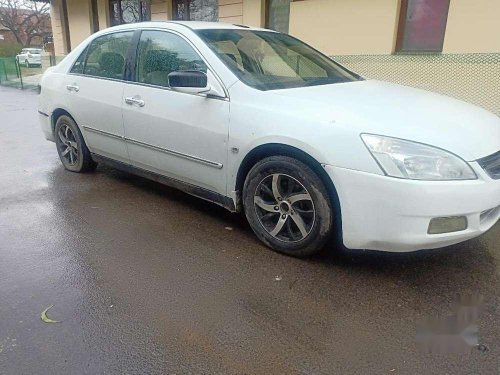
column 106, row 55
column 79, row 63
column 161, row 53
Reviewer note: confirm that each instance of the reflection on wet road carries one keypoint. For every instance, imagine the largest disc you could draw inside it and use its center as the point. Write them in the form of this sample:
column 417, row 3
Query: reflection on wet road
column 146, row 279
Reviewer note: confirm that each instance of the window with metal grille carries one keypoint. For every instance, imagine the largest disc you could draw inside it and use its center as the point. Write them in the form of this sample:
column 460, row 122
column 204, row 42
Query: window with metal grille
column 422, row 25
column 129, row 11
column 196, row 10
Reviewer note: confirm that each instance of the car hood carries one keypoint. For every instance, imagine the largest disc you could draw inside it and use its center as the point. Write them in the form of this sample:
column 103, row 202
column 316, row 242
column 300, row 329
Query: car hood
column 398, row 111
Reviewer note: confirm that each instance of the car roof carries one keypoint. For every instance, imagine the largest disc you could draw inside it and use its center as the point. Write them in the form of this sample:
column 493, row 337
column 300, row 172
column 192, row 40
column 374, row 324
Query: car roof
column 193, row 25
column 197, row 25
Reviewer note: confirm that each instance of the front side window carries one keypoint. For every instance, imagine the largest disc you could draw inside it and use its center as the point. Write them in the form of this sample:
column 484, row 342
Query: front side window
column 129, row 11
column 422, row 25
column 161, row 53
column 106, row 55
column 267, row 60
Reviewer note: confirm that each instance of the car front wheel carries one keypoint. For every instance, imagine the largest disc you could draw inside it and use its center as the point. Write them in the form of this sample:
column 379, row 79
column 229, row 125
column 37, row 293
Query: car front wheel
column 71, row 147
column 287, row 206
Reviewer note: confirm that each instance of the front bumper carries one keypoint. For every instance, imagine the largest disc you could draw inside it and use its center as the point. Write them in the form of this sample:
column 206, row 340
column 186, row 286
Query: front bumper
column 391, row 214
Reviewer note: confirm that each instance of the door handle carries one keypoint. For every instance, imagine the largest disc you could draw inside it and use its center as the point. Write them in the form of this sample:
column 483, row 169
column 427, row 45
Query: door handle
column 73, row 87
column 135, row 100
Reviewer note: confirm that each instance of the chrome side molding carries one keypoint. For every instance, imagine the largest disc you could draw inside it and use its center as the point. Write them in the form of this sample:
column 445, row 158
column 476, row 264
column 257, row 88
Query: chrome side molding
column 157, row 148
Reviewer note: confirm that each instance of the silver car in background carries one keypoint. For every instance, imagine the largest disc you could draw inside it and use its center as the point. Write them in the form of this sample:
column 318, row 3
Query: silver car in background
column 30, row 57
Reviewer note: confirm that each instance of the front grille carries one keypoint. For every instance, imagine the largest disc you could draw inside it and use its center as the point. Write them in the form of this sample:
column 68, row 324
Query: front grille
column 491, row 164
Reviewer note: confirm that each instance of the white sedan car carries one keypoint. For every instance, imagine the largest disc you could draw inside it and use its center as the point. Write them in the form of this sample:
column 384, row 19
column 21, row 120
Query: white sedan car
column 29, row 57
column 257, row 121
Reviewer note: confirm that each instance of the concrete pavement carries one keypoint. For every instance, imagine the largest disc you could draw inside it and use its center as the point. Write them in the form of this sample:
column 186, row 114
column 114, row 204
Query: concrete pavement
column 147, row 280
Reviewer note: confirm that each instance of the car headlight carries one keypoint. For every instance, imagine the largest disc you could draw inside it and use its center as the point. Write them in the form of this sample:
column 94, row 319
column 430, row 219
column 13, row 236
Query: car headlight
column 416, row 161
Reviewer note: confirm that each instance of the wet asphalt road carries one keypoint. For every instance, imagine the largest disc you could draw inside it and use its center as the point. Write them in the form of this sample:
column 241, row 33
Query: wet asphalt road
column 147, row 280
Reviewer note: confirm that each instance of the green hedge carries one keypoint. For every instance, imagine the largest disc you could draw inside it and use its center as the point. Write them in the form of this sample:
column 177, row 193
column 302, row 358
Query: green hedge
column 10, row 49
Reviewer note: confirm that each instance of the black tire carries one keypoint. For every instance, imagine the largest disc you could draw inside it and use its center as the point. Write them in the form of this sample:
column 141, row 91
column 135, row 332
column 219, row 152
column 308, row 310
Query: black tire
column 71, row 147
column 294, row 179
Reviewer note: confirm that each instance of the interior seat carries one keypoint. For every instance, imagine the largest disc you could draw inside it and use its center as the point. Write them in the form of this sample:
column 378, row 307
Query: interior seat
column 158, row 64
column 111, row 65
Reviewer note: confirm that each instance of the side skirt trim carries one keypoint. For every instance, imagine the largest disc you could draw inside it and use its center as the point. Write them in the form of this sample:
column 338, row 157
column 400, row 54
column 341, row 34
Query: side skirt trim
column 196, row 191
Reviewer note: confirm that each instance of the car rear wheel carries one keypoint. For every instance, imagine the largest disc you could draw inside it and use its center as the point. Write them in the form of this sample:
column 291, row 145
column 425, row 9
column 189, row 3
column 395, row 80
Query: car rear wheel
column 71, row 147
column 287, row 206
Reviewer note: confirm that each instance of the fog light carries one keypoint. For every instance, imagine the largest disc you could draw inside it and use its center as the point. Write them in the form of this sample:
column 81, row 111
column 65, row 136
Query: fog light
column 447, row 224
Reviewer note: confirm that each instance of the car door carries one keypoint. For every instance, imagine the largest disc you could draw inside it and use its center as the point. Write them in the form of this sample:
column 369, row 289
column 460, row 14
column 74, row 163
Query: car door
column 183, row 136
column 94, row 90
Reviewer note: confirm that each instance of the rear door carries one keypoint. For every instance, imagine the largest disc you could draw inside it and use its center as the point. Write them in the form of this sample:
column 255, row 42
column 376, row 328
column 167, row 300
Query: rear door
column 95, row 93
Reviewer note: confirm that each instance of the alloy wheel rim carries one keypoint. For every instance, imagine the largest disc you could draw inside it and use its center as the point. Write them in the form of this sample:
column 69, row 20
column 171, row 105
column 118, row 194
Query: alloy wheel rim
column 284, row 207
column 68, row 145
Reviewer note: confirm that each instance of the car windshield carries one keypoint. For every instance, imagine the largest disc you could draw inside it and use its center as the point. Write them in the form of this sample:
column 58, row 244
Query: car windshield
column 267, row 60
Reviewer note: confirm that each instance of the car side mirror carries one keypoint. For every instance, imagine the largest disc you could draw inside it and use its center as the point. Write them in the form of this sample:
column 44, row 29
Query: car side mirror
column 189, row 81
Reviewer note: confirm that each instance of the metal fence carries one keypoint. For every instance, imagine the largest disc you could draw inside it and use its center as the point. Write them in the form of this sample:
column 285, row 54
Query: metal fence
column 9, row 71
column 471, row 77
column 21, row 76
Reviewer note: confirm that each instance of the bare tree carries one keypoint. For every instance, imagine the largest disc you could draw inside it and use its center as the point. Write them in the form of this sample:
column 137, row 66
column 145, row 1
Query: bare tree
column 26, row 19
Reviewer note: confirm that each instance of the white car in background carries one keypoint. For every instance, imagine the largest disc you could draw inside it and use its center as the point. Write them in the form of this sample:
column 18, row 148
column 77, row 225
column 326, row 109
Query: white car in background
column 30, row 57
column 257, row 121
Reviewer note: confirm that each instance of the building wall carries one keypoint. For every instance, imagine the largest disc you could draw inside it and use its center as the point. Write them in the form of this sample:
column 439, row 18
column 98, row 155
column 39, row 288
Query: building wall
column 7, row 36
column 103, row 14
column 336, row 27
column 341, row 27
column 80, row 21
column 473, row 26
column 60, row 47
column 349, row 27
column 161, row 10
column 254, row 13
column 231, row 11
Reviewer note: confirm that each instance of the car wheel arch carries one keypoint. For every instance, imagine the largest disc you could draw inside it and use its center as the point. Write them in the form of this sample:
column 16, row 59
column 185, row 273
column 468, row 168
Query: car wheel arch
column 278, row 149
column 58, row 112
